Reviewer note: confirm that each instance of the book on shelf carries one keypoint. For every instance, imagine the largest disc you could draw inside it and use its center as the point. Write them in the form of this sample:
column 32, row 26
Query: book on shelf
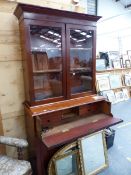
column 40, row 61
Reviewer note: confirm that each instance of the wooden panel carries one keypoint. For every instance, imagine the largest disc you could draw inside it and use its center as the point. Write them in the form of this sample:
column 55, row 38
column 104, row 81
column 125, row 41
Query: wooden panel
column 12, row 87
column 10, row 52
column 56, row 4
column 11, row 125
column 8, row 115
column 11, row 79
column 8, row 22
column 9, row 37
column 2, row 147
column 6, row 6
column 14, row 127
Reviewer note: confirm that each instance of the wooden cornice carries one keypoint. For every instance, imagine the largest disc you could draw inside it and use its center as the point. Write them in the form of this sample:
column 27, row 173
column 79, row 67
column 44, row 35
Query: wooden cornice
column 21, row 8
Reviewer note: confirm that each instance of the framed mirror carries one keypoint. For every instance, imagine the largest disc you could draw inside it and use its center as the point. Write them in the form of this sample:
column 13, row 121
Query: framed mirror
column 93, row 153
column 67, row 164
column 65, row 161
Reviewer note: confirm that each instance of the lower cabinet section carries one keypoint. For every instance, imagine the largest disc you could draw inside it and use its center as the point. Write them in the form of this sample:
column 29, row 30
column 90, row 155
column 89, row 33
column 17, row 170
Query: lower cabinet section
column 54, row 125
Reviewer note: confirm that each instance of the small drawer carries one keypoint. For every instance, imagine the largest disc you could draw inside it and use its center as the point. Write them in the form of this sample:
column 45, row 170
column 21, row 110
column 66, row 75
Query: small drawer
column 51, row 119
column 86, row 110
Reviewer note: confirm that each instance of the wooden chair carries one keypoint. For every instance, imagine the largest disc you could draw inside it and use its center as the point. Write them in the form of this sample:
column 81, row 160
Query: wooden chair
column 11, row 166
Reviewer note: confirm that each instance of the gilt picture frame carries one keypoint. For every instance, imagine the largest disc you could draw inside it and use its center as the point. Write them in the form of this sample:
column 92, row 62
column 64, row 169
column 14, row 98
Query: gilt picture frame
column 119, row 96
column 125, row 94
column 103, row 84
column 115, row 81
column 93, row 158
column 116, row 64
column 67, row 164
column 128, row 63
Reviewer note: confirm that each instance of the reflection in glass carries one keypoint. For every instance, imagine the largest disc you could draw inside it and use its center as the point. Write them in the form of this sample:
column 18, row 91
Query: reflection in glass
column 47, row 86
column 46, row 61
column 81, row 60
column 67, row 165
column 93, row 155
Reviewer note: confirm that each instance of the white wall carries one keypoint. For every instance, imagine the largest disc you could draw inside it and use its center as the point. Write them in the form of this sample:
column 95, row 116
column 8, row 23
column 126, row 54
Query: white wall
column 114, row 28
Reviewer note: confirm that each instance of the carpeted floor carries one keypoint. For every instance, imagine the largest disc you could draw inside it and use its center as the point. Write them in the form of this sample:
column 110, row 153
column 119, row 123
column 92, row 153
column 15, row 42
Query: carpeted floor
column 120, row 154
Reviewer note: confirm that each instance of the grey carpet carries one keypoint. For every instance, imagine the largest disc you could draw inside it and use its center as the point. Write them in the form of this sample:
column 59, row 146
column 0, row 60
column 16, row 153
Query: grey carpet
column 120, row 154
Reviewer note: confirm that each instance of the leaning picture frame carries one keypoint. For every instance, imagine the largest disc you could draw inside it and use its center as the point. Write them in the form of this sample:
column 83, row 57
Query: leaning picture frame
column 103, row 84
column 116, row 64
column 113, row 55
column 119, row 96
column 111, row 96
column 124, row 58
column 128, row 63
column 129, row 52
column 115, row 81
column 67, row 164
column 127, row 79
column 61, row 156
column 93, row 158
column 125, row 94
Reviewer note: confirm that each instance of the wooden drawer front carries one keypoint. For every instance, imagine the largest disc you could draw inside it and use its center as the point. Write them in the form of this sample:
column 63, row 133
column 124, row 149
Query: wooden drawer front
column 89, row 109
column 50, row 120
column 96, row 107
column 86, row 109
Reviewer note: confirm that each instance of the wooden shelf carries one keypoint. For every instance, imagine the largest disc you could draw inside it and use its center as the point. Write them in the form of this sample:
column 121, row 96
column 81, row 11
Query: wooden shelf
column 77, row 48
column 45, row 50
column 121, row 87
column 47, row 71
column 110, row 70
column 80, row 69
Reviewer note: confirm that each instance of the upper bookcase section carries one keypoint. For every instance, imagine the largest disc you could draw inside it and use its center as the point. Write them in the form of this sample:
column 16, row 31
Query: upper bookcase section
column 59, row 51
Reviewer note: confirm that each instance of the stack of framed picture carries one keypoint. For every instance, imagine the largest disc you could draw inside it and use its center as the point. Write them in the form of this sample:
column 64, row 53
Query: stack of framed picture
column 118, row 61
column 113, row 60
column 113, row 87
column 114, row 81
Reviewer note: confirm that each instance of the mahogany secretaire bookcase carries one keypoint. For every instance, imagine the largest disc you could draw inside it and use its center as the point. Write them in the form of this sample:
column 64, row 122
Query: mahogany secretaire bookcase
column 59, row 49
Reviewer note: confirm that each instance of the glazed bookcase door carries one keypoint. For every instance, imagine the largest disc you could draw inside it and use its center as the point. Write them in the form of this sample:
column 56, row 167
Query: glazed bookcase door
column 80, row 56
column 47, row 59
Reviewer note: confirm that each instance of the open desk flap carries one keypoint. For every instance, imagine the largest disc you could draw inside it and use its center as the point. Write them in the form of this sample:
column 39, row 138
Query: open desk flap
column 72, row 134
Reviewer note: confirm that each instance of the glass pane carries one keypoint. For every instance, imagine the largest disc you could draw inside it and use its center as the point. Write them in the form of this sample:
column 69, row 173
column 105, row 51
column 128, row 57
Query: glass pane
column 46, row 61
column 67, row 165
column 81, row 60
column 47, row 86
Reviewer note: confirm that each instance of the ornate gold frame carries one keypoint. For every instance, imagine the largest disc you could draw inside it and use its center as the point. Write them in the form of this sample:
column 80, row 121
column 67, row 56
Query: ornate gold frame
column 105, row 154
column 63, row 152
column 66, row 155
